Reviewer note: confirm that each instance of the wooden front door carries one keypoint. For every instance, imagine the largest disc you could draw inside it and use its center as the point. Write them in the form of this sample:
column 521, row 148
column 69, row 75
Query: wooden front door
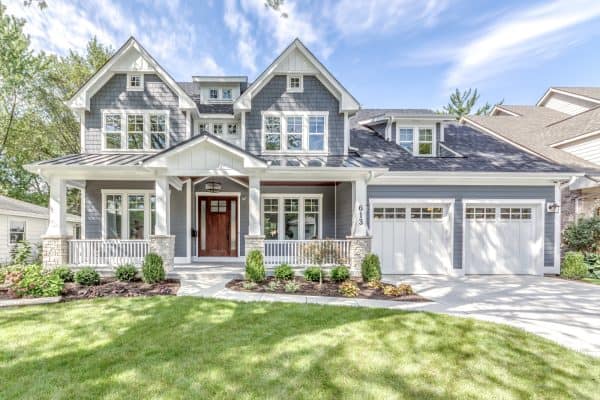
column 217, row 222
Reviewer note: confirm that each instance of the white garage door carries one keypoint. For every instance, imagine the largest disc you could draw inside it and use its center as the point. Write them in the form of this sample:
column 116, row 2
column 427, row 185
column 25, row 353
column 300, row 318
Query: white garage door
column 413, row 238
column 503, row 239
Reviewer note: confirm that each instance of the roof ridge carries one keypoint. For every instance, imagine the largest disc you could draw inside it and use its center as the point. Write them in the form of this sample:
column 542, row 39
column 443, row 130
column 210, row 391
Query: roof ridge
column 573, row 116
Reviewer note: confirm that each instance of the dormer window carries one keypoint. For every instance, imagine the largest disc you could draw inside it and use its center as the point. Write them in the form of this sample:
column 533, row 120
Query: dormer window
column 425, row 142
column 295, row 83
column 417, row 140
column 227, row 94
column 135, row 82
column 213, row 94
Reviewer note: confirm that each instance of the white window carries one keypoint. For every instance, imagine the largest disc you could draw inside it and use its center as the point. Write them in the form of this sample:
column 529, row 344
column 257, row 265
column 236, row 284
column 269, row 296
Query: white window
column 515, row 213
column 76, row 231
column 480, row 213
column 389, row 213
column 128, row 214
column 17, row 232
column 425, row 146
column 232, row 129
column 202, row 127
column 112, row 131
column 426, row 212
column 213, row 94
column 295, row 83
column 217, row 129
column 135, row 82
column 272, row 129
column 227, row 94
column 135, row 129
column 292, row 217
column 405, row 138
column 295, row 131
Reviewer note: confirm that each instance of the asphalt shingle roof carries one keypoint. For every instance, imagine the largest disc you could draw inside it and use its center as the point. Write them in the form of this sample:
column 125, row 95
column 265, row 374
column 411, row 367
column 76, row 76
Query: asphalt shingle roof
column 590, row 91
column 10, row 204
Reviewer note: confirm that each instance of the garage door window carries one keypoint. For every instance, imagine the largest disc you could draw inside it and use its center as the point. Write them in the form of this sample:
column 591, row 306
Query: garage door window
column 515, row 213
column 426, row 213
column 389, row 213
column 480, row 213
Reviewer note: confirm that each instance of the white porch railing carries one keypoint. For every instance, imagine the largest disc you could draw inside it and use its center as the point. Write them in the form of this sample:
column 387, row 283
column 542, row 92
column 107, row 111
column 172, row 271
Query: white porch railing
column 325, row 252
column 98, row 252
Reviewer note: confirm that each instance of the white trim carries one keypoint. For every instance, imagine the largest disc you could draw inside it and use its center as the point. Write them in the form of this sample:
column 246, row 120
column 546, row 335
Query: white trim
column 188, row 219
column 182, row 260
column 283, row 116
column 82, row 131
column 537, row 202
column 69, row 217
column 125, row 210
column 498, row 107
column 301, row 197
column 83, row 213
column 557, row 227
column 289, row 87
column 188, row 125
column 198, row 194
column 552, row 90
column 346, row 133
column 576, row 138
column 10, row 221
column 139, row 88
column 415, row 134
column 405, row 200
column 219, row 79
column 146, row 133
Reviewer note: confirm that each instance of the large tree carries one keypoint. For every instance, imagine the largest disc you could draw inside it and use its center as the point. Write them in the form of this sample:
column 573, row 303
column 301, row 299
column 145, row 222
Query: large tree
column 462, row 103
column 35, row 124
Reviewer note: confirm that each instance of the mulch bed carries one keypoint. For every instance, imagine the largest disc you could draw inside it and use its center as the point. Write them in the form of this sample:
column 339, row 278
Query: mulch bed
column 328, row 289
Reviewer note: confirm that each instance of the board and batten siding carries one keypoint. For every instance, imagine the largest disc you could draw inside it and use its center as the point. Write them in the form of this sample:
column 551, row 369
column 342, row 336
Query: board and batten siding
column 588, row 149
column 274, row 97
column 114, row 95
column 473, row 192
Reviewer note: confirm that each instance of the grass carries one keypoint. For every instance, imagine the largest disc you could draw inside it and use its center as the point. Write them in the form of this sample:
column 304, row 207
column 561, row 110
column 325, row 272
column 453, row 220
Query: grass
column 595, row 281
column 180, row 348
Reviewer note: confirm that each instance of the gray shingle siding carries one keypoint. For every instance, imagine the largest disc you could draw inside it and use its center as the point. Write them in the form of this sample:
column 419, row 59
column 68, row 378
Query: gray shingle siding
column 475, row 192
column 344, row 204
column 315, row 97
column 114, row 95
column 179, row 220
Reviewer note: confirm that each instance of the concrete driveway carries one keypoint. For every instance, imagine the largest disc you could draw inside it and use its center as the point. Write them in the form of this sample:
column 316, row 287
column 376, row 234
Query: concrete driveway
column 563, row 311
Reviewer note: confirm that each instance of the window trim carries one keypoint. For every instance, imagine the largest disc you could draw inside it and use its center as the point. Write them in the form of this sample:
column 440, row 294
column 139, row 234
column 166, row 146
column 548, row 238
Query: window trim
column 416, row 141
column 218, row 94
column 125, row 193
column 10, row 221
column 146, row 131
column 283, row 115
column 289, row 87
column 281, row 197
column 135, row 88
column 223, row 94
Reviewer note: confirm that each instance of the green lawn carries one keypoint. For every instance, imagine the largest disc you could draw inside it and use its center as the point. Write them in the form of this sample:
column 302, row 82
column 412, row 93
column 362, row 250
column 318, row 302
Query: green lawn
column 184, row 348
column 592, row 280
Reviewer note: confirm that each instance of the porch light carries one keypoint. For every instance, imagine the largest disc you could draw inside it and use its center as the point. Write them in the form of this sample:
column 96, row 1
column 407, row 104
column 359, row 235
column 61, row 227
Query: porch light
column 212, row 187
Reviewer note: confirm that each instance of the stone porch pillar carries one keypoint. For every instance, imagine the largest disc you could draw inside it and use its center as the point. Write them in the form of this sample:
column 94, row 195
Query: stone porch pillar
column 164, row 246
column 162, row 242
column 360, row 246
column 360, row 240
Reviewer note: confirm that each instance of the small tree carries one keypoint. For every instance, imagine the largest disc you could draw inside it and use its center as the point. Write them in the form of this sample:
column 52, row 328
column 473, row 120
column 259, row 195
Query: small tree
column 319, row 253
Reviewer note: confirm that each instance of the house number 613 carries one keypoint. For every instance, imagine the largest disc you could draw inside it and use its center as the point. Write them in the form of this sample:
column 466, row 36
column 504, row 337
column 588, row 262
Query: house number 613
column 360, row 215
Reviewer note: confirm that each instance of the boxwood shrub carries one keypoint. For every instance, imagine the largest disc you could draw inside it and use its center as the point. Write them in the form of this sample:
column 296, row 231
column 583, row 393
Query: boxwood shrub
column 313, row 274
column 574, row 266
column 340, row 274
column 255, row 266
column 153, row 270
column 371, row 268
column 126, row 272
column 64, row 273
column 284, row 272
column 87, row 276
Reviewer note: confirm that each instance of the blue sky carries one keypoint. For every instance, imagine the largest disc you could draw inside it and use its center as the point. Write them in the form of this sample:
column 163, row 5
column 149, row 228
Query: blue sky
column 388, row 53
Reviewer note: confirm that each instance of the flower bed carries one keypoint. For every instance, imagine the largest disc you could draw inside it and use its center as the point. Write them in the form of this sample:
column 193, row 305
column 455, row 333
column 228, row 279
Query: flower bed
column 328, row 288
column 111, row 287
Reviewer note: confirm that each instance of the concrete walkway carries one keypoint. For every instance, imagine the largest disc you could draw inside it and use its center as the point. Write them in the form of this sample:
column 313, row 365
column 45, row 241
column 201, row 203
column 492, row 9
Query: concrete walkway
column 563, row 311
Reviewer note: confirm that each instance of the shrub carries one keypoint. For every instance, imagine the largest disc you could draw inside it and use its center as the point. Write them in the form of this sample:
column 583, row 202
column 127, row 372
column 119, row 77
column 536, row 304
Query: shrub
column 284, row 272
column 592, row 260
column 349, row 289
column 584, row 235
column 340, row 274
column 126, row 272
column 402, row 289
column 273, row 286
column 34, row 281
column 255, row 266
column 249, row 285
column 87, row 276
column 573, row 266
column 64, row 273
column 371, row 268
column 291, row 287
column 314, row 274
column 21, row 253
column 376, row 284
column 152, row 268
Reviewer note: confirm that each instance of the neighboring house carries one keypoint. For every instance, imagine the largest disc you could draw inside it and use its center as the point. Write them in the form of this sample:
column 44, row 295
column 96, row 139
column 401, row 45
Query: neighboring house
column 564, row 127
column 22, row 221
column 207, row 170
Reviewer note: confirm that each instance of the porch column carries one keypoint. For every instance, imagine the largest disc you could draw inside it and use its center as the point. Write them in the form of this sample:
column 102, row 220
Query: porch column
column 55, row 243
column 162, row 242
column 254, row 240
column 360, row 240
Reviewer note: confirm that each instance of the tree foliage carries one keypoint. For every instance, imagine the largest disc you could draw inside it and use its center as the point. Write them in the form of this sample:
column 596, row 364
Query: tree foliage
column 35, row 123
column 462, row 103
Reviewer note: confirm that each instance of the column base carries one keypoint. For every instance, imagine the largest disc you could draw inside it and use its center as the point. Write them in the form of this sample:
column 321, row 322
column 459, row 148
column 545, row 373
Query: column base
column 55, row 250
column 254, row 242
column 164, row 246
column 360, row 246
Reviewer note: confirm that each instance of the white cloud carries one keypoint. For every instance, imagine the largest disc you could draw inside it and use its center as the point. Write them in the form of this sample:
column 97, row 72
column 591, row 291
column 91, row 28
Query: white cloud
column 208, row 66
column 354, row 17
column 239, row 25
column 520, row 39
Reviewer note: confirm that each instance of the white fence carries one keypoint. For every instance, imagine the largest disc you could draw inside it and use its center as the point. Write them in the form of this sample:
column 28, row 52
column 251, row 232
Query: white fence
column 307, row 252
column 107, row 252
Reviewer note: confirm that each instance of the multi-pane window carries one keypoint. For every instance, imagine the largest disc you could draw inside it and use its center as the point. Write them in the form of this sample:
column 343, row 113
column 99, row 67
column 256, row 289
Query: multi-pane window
column 17, row 232
column 272, row 133
column 135, row 131
column 232, row 129
column 389, row 213
column 290, row 218
column 294, row 83
column 213, row 94
column 128, row 215
column 114, row 216
column 294, row 133
column 135, row 82
column 217, row 129
column 405, row 138
column 515, row 213
column 481, row 213
column 227, row 94
column 270, row 218
column 158, row 131
column 112, row 131
column 152, row 213
column 316, row 133
column 218, row 206
column 311, row 218
column 425, row 146
column 136, row 215
column 203, row 127
column 426, row 213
